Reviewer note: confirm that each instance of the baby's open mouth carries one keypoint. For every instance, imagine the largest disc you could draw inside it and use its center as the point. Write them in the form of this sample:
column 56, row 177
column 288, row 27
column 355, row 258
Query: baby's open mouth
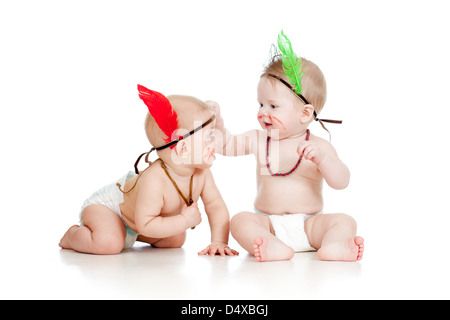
column 267, row 125
column 267, row 121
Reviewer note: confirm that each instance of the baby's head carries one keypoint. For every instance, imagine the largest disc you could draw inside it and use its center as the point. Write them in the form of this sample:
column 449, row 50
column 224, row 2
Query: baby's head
column 194, row 148
column 314, row 87
column 292, row 91
column 282, row 109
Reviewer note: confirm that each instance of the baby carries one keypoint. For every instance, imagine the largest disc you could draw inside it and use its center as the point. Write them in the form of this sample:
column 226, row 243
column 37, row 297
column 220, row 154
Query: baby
column 158, row 205
column 291, row 166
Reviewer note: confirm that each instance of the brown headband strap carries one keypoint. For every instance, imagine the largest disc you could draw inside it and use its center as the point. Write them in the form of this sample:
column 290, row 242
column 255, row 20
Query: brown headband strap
column 321, row 121
column 290, row 87
column 171, row 143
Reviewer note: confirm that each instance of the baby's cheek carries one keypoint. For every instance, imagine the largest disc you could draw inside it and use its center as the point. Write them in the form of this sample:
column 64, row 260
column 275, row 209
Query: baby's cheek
column 279, row 121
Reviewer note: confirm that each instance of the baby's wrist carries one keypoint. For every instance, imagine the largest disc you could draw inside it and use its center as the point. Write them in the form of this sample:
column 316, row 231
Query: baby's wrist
column 322, row 161
column 219, row 242
column 220, row 123
column 185, row 221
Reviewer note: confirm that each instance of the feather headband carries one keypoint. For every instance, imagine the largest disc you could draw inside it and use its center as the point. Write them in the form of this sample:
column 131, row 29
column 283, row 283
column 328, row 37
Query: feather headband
column 166, row 118
column 292, row 67
column 161, row 110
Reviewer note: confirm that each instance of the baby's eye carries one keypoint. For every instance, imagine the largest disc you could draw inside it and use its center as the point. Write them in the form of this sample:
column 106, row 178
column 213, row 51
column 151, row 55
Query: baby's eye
column 273, row 107
column 260, row 105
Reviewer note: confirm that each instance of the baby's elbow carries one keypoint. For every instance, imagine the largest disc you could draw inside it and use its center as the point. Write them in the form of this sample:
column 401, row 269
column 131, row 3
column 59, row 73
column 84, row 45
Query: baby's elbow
column 217, row 209
column 142, row 230
column 143, row 227
column 341, row 184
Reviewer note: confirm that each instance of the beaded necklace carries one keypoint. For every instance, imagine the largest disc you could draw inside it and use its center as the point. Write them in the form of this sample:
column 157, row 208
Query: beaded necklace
column 293, row 169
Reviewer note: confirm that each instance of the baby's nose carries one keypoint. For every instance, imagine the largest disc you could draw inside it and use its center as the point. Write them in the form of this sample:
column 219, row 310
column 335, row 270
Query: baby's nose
column 263, row 114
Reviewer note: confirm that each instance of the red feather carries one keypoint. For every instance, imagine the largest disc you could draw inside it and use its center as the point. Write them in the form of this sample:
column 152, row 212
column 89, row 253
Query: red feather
column 161, row 110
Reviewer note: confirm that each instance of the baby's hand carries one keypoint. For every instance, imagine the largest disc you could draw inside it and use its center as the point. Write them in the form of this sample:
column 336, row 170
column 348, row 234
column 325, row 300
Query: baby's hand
column 215, row 108
column 192, row 215
column 310, row 151
column 218, row 248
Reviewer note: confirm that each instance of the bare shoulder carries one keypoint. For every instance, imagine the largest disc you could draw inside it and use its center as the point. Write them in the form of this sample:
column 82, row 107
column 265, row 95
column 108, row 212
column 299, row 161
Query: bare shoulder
column 152, row 177
column 203, row 175
column 209, row 192
column 322, row 144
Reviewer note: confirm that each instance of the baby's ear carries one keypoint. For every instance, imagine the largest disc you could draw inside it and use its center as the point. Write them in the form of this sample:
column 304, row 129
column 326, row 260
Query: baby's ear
column 307, row 113
column 182, row 149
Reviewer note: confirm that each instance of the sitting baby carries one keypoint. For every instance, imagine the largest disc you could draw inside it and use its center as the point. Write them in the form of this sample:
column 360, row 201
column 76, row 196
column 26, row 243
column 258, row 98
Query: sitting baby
column 291, row 166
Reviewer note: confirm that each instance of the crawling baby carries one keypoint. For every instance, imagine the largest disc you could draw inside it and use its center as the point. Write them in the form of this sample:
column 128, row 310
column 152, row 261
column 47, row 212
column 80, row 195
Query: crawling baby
column 158, row 205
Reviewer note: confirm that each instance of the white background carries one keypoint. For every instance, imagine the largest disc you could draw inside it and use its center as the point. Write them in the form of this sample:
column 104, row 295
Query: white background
column 71, row 119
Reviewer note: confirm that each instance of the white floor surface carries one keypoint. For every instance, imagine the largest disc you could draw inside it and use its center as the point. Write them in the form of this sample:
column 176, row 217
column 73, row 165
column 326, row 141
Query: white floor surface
column 34, row 271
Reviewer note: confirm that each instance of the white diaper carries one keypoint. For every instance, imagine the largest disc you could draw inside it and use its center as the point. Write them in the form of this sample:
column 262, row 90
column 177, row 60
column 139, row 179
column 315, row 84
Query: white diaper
column 290, row 228
column 111, row 197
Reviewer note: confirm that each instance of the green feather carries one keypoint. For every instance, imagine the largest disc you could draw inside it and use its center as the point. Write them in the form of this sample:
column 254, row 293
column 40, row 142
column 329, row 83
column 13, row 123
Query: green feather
column 292, row 65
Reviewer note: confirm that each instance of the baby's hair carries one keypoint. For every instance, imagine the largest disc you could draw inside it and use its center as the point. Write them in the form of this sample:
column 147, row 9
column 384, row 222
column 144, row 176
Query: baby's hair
column 188, row 109
column 314, row 87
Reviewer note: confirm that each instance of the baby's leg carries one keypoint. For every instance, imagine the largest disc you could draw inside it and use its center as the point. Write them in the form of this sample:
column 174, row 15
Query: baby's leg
column 334, row 235
column 175, row 241
column 103, row 232
column 254, row 233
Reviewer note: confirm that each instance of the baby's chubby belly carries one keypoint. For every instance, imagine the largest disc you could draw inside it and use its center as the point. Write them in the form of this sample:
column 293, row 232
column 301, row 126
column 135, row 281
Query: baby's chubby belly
column 282, row 197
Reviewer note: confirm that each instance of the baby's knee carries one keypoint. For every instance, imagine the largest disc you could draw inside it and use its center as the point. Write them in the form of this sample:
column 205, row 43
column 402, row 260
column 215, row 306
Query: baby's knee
column 108, row 245
column 345, row 219
column 239, row 219
column 176, row 241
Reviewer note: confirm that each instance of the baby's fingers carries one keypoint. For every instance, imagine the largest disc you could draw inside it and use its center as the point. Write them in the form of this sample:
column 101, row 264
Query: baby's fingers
column 214, row 106
column 194, row 205
column 220, row 251
column 308, row 152
column 231, row 252
column 301, row 148
column 204, row 251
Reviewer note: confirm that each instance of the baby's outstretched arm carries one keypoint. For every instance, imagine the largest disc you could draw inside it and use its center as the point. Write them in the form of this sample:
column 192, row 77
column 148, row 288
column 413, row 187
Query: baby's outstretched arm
column 218, row 217
column 333, row 170
column 229, row 144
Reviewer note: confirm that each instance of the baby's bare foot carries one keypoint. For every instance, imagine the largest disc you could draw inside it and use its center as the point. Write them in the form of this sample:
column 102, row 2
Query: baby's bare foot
column 348, row 250
column 265, row 250
column 64, row 242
